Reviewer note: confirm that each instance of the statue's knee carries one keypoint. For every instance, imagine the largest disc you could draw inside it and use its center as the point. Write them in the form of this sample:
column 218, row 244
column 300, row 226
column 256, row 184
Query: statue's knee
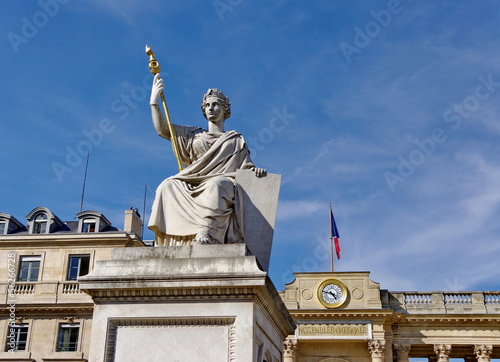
column 223, row 185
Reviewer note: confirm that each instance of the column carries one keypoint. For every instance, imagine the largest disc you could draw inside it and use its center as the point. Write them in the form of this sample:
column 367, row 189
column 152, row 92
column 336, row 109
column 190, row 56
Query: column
column 377, row 348
column 401, row 352
column 483, row 352
column 470, row 359
column 432, row 359
column 290, row 347
column 443, row 352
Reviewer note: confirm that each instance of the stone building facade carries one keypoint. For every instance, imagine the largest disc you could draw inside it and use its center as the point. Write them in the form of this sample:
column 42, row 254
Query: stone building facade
column 44, row 316
column 371, row 324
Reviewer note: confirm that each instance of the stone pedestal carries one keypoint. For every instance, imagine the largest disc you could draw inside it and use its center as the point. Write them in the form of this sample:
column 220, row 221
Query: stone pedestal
column 185, row 303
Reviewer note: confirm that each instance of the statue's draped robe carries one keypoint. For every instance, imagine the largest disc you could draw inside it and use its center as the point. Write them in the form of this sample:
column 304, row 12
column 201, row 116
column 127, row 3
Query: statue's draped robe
column 203, row 196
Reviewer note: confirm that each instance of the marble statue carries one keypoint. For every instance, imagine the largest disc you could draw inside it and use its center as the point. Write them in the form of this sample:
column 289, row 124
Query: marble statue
column 201, row 204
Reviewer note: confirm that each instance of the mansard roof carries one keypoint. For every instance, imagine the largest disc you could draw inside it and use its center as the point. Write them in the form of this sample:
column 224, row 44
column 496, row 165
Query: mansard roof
column 54, row 224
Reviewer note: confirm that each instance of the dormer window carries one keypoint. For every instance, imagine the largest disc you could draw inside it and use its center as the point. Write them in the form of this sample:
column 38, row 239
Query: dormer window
column 40, row 224
column 9, row 224
column 89, row 226
column 42, row 221
column 91, row 222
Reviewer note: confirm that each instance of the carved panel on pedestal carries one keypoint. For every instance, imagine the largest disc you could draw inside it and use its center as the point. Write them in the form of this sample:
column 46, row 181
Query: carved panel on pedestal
column 133, row 338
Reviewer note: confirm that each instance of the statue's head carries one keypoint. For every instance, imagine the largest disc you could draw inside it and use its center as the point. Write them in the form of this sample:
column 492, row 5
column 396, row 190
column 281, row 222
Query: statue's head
column 224, row 101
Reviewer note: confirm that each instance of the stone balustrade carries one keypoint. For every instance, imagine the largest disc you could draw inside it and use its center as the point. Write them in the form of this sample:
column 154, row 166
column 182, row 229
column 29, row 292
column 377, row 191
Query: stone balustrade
column 443, row 302
column 44, row 292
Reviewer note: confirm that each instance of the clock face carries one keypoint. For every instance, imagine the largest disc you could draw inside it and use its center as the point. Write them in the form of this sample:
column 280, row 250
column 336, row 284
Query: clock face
column 332, row 293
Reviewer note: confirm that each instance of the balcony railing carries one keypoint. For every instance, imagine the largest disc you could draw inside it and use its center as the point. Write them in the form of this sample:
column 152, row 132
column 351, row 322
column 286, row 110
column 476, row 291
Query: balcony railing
column 457, row 298
column 71, row 288
column 418, row 298
column 492, row 298
column 446, row 302
column 42, row 292
column 25, row 288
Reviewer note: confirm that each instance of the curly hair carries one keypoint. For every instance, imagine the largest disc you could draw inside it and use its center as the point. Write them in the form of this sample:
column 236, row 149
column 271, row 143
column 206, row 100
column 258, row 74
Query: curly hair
column 226, row 104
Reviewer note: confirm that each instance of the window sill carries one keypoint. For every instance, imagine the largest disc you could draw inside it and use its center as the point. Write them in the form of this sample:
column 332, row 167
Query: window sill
column 64, row 356
column 16, row 356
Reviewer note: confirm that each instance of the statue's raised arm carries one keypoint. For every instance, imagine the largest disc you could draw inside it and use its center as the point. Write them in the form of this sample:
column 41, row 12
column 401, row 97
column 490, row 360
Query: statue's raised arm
column 158, row 119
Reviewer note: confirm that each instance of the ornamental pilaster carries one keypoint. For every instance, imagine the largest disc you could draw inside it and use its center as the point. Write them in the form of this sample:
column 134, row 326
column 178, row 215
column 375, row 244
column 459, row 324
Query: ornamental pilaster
column 290, row 347
column 443, row 352
column 401, row 352
column 483, row 352
column 377, row 348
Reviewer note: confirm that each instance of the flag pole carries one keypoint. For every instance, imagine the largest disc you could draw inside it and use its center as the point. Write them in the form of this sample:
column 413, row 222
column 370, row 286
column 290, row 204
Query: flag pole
column 331, row 239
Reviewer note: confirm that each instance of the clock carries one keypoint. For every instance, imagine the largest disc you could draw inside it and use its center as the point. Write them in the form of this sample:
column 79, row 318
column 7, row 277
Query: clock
column 332, row 293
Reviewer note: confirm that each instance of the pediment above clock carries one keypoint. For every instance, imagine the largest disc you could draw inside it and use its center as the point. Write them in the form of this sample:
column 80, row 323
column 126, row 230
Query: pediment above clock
column 303, row 292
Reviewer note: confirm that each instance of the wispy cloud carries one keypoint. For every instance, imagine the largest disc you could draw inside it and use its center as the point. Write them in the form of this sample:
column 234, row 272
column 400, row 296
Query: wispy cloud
column 294, row 209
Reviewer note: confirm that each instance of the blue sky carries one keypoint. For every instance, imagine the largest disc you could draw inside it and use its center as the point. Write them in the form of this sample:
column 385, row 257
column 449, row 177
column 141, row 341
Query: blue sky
column 388, row 109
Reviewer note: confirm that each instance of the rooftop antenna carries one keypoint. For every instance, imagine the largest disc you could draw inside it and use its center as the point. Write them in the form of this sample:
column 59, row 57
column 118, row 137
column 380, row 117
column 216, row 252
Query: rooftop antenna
column 84, row 180
column 144, row 208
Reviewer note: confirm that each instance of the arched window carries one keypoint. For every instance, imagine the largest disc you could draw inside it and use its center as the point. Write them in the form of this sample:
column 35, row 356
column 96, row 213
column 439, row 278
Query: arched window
column 40, row 224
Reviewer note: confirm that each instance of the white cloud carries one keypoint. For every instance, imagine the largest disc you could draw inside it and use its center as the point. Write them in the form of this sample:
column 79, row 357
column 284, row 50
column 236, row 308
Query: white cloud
column 294, row 209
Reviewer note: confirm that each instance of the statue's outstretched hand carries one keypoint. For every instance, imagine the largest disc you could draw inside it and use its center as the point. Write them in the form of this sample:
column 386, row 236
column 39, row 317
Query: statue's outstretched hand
column 259, row 172
column 156, row 89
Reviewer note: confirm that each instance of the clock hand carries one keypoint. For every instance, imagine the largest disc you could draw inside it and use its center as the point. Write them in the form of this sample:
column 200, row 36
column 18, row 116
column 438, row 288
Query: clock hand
column 332, row 293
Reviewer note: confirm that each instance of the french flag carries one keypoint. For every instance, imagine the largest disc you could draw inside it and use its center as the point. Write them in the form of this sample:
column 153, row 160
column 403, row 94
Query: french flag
column 334, row 233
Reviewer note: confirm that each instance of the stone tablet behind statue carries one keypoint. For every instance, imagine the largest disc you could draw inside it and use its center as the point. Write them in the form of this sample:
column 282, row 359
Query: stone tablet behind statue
column 203, row 203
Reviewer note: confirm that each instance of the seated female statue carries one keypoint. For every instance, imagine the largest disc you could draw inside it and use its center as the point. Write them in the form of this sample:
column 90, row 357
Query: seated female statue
column 202, row 203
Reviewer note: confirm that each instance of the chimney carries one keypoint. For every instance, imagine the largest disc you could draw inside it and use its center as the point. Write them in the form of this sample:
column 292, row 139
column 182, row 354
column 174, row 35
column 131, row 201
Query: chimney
column 133, row 223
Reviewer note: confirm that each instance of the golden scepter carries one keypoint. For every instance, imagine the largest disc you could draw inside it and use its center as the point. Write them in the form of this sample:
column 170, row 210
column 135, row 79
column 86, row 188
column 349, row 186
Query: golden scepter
column 154, row 67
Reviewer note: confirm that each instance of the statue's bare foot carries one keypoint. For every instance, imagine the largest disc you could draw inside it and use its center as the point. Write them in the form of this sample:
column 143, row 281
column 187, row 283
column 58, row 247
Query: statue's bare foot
column 202, row 238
